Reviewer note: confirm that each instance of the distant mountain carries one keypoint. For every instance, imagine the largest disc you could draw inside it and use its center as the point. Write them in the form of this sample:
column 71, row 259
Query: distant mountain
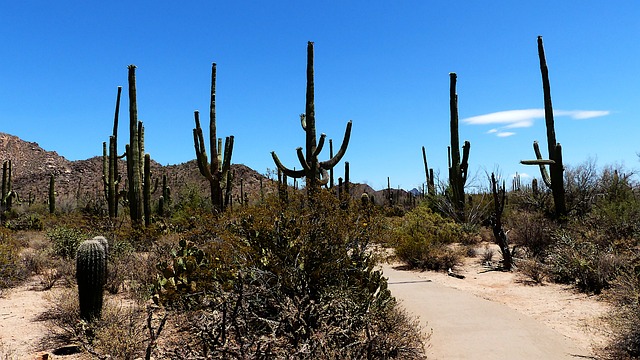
column 81, row 180
column 32, row 166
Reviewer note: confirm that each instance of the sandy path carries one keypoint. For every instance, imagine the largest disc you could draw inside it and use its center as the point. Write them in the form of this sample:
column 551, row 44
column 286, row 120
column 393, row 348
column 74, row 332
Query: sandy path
column 20, row 331
column 467, row 326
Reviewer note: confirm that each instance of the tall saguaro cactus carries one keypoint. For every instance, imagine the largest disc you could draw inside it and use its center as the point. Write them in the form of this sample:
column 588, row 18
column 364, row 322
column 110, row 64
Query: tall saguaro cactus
column 457, row 167
column 313, row 170
column 52, row 194
column 6, row 198
column 554, row 177
column 135, row 153
column 218, row 172
column 110, row 176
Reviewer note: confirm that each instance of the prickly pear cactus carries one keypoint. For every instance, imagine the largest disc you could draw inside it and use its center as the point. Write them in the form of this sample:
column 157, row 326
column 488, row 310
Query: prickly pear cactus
column 91, row 270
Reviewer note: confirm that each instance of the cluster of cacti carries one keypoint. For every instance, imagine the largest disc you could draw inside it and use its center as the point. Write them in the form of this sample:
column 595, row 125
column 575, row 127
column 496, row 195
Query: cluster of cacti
column 457, row 167
column 554, row 177
column 218, row 172
column 138, row 163
column 313, row 170
column 431, row 186
column 91, row 273
column 8, row 194
column 515, row 183
column 110, row 176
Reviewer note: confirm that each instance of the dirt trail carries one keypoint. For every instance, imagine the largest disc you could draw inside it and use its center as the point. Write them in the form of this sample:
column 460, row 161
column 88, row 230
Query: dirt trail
column 466, row 325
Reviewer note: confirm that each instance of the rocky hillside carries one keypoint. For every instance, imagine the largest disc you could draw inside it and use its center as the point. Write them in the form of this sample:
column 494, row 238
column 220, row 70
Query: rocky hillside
column 79, row 182
column 82, row 180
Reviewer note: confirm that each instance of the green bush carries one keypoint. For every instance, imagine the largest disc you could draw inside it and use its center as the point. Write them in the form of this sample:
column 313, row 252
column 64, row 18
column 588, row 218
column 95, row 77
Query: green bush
column 65, row 241
column 12, row 270
column 287, row 280
column 580, row 261
column 424, row 238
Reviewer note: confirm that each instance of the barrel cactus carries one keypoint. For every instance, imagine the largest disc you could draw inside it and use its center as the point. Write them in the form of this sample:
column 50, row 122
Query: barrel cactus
column 91, row 270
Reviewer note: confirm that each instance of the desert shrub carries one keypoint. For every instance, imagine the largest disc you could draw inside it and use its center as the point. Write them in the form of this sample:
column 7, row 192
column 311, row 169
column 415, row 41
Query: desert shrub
column 121, row 265
column 120, row 332
column 578, row 260
column 65, row 240
column 581, row 187
column 617, row 209
column 532, row 231
column 625, row 315
column 423, row 238
column 24, row 221
column 287, row 280
column 533, row 270
column 12, row 270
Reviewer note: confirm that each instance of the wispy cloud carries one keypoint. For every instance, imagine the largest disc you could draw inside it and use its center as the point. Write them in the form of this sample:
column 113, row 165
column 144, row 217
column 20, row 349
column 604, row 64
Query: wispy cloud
column 505, row 133
column 512, row 119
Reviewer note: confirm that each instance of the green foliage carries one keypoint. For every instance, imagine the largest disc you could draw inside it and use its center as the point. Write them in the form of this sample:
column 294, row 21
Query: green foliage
column 179, row 277
column 424, row 238
column 12, row 271
column 285, row 280
column 24, row 221
column 578, row 260
column 65, row 240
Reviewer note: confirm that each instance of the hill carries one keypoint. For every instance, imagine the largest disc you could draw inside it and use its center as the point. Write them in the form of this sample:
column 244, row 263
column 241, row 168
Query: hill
column 79, row 182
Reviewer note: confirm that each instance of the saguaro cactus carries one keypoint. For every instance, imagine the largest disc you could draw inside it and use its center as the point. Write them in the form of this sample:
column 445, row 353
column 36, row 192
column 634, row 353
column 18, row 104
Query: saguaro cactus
column 110, row 176
column 91, row 270
column 52, row 194
column 135, row 153
column 8, row 194
column 457, row 167
column 431, row 187
column 554, row 177
column 313, row 170
column 217, row 173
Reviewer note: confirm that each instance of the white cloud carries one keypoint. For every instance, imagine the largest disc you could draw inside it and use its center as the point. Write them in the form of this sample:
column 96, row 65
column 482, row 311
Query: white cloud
column 505, row 117
column 512, row 119
column 582, row 114
column 505, row 134
column 520, row 124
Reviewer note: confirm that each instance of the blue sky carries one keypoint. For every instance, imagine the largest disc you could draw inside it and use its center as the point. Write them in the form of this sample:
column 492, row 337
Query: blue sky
column 384, row 65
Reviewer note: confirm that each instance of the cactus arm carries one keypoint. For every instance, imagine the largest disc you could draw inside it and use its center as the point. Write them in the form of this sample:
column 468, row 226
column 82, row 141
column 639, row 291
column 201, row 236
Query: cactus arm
column 303, row 162
column 343, row 148
column 543, row 170
column 285, row 170
column 226, row 162
column 201, row 151
column 324, row 177
column 320, row 145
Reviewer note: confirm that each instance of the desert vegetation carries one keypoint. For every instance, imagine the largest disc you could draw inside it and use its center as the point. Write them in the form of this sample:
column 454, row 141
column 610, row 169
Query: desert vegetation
column 292, row 272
